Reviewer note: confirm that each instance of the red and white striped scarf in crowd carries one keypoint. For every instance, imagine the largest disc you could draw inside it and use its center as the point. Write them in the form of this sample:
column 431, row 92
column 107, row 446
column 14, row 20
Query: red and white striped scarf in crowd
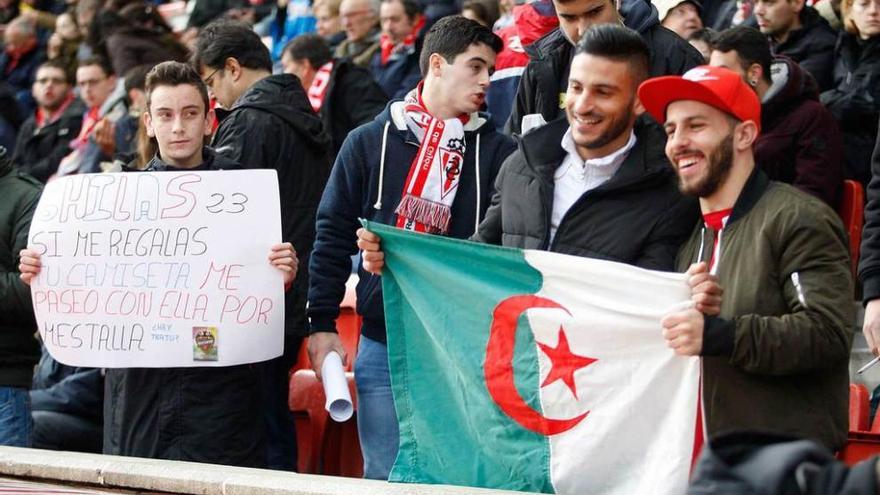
column 318, row 89
column 433, row 177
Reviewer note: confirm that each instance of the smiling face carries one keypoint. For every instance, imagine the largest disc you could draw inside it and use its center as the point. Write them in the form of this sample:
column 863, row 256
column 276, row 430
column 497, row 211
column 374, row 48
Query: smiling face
column 179, row 122
column 699, row 146
column 601, row 104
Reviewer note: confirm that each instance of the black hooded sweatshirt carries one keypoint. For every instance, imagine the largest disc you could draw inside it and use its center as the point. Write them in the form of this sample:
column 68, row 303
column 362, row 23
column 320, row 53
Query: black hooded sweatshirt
column 272, row 126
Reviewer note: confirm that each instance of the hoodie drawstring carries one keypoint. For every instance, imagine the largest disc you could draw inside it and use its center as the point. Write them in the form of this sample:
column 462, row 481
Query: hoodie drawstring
column 477, row 216
column 378, row 204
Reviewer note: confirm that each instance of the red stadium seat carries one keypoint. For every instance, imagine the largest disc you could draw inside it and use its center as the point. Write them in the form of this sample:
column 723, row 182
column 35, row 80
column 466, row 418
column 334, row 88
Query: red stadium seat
column 859, row 407
column 851, row 210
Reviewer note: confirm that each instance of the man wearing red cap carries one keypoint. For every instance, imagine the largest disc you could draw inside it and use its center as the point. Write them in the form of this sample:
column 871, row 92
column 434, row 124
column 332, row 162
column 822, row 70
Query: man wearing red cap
column 776, row 351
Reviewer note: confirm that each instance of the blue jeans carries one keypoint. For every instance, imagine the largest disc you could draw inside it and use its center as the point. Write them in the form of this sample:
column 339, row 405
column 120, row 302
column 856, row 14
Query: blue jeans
column 377, row 421
column 16, row 426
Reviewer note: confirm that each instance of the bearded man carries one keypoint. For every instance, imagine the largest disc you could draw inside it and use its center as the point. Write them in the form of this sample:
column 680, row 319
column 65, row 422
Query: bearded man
column 776, row 347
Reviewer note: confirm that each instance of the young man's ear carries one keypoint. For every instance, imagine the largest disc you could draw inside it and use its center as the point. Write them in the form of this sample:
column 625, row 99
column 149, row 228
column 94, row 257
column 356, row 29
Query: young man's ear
column 148, row 124
column 744, row 135
column 754, row 74
column 233, row 68
column 638, row 108
column 209, row 121
column 435, row 64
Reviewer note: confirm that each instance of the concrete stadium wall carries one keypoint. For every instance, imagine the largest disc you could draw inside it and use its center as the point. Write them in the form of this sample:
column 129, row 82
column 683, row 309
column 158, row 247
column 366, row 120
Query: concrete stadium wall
column 129, row 473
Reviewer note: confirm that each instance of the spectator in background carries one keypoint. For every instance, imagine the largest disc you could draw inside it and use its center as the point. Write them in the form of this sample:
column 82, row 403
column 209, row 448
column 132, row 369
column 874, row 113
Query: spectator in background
column 269, row 123
column 86, row 12
column 19, row 61
column 360, row 20
column 680, row 17
column 486, row 12
column 341, row 93
column 855, row 98
column 327, row 22
column 541, row 92
column 67, row 406
column 205, row 11
column 702, row 40
column 20, row 350
column 64, row 43
column 105, row 99
column 532, row 21
column 44, row 138
column 142, row 37
column 800, row 143
column 506, row 18
column 396, row 65
column 801, row 34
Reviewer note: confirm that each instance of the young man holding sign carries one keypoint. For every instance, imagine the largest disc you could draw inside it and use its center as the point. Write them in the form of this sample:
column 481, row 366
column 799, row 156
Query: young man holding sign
column 193, row 414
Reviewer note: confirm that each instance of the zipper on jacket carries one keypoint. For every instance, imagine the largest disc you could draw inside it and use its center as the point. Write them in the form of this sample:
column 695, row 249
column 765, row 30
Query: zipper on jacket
column 796, row 281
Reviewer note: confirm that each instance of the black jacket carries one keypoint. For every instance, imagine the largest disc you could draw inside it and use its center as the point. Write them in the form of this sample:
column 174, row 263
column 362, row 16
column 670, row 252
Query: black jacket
column 272, row 126
column 19, row 350
column 752, row 463
column 546, row 76
column 811, row 46
column 855, row 100
column 188, row 414
column 869, row 255
column 800, row 143
column 38, row 151
column 353, row 98
column 637, row 217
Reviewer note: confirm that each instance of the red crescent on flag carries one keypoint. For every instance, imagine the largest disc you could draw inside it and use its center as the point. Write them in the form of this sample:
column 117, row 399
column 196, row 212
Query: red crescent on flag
column 498, row 366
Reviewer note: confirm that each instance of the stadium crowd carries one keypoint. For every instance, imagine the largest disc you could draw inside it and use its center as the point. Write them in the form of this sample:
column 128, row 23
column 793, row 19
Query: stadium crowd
column 625, row 130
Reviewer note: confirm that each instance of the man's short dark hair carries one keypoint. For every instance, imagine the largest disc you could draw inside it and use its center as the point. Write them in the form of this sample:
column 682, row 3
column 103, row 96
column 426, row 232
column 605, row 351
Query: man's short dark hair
column 706, row 35
column 57, row 63
column 174, row 74
column 751, row 47
column 98, row 60
column 311, row 47
column 222, row 39
column 452, row 36
column 411, row 8
column 136, row 77
column 617, row 43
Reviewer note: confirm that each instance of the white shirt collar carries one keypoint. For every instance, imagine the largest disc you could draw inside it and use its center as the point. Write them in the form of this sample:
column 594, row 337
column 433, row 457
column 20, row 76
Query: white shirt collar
column 616, row 157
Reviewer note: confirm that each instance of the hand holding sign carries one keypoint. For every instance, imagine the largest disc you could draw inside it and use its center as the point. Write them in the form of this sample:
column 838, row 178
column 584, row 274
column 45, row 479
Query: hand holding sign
column 159, row 269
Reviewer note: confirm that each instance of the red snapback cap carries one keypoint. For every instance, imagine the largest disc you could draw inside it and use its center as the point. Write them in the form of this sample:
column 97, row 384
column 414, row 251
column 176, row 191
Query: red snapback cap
column 714, row 86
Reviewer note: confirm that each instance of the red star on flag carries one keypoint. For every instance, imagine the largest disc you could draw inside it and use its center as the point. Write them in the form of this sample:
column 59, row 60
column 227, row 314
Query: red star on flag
column 563, row 363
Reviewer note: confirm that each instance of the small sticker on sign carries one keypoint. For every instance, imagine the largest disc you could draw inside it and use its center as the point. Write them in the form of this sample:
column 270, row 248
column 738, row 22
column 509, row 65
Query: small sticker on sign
column 204, row 343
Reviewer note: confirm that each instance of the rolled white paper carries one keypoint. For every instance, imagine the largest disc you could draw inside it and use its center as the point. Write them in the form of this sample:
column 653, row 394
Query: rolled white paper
column 336, row 388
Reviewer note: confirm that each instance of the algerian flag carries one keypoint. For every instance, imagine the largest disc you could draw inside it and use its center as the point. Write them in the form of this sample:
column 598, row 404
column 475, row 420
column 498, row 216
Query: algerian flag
column 535, row 371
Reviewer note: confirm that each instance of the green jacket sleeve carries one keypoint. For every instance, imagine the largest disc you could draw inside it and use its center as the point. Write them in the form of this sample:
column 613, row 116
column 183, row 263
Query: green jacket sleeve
column 815, row 278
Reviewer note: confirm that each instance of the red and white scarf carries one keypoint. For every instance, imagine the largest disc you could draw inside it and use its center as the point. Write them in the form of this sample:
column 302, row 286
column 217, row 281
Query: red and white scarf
column 318, row 89
column 433, row 177
column 388, row 48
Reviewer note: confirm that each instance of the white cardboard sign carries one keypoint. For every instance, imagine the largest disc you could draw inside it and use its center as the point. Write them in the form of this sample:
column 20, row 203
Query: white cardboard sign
column 165, row 269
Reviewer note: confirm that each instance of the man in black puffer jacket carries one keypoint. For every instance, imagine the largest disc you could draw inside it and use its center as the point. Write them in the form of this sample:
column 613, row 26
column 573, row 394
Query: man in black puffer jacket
column 607, row 192
column 542, row 87
column 19, row 350
column 269, row 123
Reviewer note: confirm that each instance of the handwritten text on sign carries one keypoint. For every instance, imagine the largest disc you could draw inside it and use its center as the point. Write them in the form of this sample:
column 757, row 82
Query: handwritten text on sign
column 159, row 269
